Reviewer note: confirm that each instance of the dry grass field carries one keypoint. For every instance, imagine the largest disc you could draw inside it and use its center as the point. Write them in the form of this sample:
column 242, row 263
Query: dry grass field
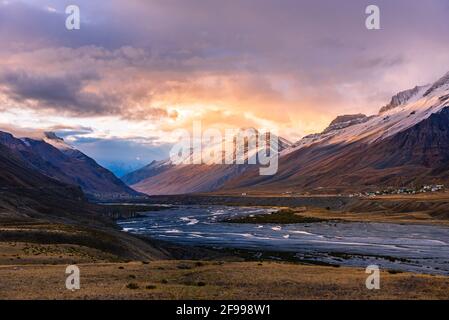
column 30, row 271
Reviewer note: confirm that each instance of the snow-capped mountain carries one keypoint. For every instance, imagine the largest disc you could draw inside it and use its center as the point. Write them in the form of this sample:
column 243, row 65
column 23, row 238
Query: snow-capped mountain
column 164, row 177
column 401, row 98
column 406, row 143
column 405, row 110
column 52, row 157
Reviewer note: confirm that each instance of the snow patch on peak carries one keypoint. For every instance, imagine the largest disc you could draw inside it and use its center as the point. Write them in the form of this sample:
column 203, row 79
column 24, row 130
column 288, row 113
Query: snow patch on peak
column 159, row 164
column 25, row 142
column 338, row 124
column 401, row 98
column 345, row 121
column 442, row 82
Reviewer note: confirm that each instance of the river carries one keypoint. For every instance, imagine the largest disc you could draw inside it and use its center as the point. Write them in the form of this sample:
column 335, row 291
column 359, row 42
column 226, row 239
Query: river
column 411, row 247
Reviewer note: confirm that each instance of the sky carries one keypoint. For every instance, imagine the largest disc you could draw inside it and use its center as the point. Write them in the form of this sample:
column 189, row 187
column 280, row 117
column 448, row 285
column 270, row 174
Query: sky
column 137, row 70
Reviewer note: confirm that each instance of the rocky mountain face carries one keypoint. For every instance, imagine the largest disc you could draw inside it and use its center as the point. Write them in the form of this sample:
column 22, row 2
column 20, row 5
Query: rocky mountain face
column 399, row 99
column 345, row 121
column 52, row 157
column 441, row 83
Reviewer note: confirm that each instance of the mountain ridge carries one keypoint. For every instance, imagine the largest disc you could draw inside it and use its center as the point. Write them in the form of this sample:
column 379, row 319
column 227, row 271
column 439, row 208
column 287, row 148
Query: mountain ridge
column 62, row 162
column 354, row 152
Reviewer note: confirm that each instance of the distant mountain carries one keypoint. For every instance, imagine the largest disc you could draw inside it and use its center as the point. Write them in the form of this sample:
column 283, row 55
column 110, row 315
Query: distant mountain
column 120, row 168
column 165, row 178
column 406, row 144
column 52, row 157
column 153, row 169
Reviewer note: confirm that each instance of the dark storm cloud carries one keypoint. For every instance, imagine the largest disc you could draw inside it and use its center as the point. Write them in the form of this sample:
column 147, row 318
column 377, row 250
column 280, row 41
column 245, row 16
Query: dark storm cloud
column 64, row 91
column 68, row 93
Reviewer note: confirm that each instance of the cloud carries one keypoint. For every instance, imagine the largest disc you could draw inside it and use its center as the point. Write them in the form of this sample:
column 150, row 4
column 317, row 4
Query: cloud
column 68, row 131
column 74, row 88
column 295, row 63
column 53, row 91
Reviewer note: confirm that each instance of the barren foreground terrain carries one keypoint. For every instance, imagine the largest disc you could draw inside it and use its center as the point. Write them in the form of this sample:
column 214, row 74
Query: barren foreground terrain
column 31, row 271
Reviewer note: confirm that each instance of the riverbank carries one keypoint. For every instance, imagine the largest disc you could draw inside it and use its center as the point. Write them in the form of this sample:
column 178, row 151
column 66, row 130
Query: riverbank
column 282, row 216
column 315, row 215
column 432, row 209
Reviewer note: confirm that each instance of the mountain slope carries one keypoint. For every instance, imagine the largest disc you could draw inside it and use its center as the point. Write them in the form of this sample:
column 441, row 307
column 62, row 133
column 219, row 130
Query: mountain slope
column 16, row 174
column 35, row 208
column 184, row 179
column 52, row 157
column 25, row 192
column 165, row 178
column 153, row 169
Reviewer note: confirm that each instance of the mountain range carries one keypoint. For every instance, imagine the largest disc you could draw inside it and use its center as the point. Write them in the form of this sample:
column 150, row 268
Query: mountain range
column 405, row 144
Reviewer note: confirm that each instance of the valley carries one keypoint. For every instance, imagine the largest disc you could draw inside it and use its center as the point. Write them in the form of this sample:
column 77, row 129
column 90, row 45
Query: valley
column 116, row 265
column 366, row 190
column 207, row 150
column 136, row 267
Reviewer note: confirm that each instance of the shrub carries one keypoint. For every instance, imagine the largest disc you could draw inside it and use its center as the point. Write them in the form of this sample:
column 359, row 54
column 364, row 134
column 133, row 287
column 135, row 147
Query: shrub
column 132, row 286
column 394, row 271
